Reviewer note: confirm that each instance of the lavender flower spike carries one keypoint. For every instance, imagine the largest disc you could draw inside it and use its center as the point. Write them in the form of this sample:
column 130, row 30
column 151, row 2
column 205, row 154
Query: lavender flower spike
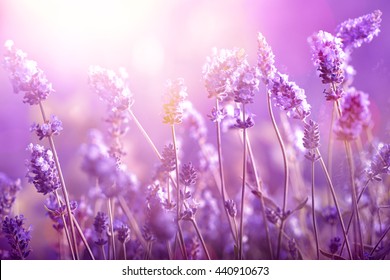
column 380, row 163
column 8, row 190
column 328, row 57
column 246, row 85
column 18, row 237
column 354, row 32
column 175, row 96
column 25, row 75
column 289, row 97
column 111, row 87
column 52, row 127
column 42, row 171
column 218, row 72
column 355, row 115
column 265, row 60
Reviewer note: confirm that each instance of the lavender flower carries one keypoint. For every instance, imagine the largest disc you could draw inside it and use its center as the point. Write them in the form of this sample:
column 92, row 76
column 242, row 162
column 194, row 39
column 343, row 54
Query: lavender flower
column 265, row 60
column 355, row 115
column 168, row 163
column 194, row 122
column 354, row 32
column 328, row 57
column 8, row 190
column 289, row 97
column 42, row 171
column 334, row 245
column 25, row 75
column 52, row 127
column 329, row 213
column 188, row 174
column 111, row 87
column 246, row 84
column 123, row 233
column 18, row 237
column 174, row 98
column 217, row 115
column 311, row 139
column 100, row 225
column 380, row 164
column 219, row 71
column 231, row 207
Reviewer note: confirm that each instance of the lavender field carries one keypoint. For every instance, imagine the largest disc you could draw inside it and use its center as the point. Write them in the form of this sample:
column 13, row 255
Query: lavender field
column 190, row 130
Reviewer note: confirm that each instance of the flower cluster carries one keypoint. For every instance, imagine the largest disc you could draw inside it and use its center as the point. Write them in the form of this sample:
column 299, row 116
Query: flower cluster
column 8, row 190
column 42, row 171
column 265, row 60
column 123, row 233
column 100, row 225
column 311, row 139
column 289, row 97
column 18, row 237
column 52, row 127
column 188, row 174
column 218, row 72
column 354, row 115
column 328, row 57
column 175, row 96
column 25, row 75
column 354, row 32
column 380, row 163
column 245, row 85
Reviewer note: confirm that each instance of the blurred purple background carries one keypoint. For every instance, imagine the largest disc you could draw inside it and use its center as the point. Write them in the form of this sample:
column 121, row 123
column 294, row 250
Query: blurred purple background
column 160, row 40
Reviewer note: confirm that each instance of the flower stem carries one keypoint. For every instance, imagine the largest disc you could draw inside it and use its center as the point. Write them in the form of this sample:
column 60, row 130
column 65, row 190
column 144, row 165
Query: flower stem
column 313, row 210
column 200, row 238
column 286, row 173
column 244, row 164
column 111, row 216
column 178, row 199
column 332, row 190
column 62, row 181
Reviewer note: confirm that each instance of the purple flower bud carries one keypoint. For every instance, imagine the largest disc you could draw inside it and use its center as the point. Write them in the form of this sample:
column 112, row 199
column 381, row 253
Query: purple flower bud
column 265, row 60
column 123, row 233
column 18, row 237
column 168, row 158
column 8, row 190
column 246, row 85
column 231, row 207
column 42, row 171
column 355, row 114
column 52, row 127
column 334, row 245
column 311, row 139
column 354, row 32
column 188, row 174
column 25, row 75
column 289, row 97
column 328, row 57
column 380, row 163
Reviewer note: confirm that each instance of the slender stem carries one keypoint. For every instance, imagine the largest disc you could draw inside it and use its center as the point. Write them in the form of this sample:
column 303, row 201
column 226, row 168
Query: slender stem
column 380, row 240
column 62, row 182
column 65, row 225
column 132, row 221
column 222, row 174
column 111, row 216
column 331, row 142
column 332, row 190
column 258, row 186
column 169, row 250
column 200, row 238
column 83, row 238
column 124, row 250
column 313, row 210
column 244, row 164
column 178, row 199
column 286, row 173
column 103, row 252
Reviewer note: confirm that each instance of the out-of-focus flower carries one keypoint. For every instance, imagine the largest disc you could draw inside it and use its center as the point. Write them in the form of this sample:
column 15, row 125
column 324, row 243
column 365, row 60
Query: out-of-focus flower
column 176, row 94
column 380, row 163
column 217, row 115
column 355, row 32
column 168, row 161
column 194, row 122
column 329, row 213
column 219, row 71
column 18, row 237
column 355, row 114
column 265, row 59
column 328, row 56
column 8, row 190
column 123, row 233
column 231, row 207
column 25, row 75
column 334, row 245
column 188, row 174
column 100, row 225
column 246, row 84
column 52, row 127
column 111, row 87
column 289, row 97
column 42, row 171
